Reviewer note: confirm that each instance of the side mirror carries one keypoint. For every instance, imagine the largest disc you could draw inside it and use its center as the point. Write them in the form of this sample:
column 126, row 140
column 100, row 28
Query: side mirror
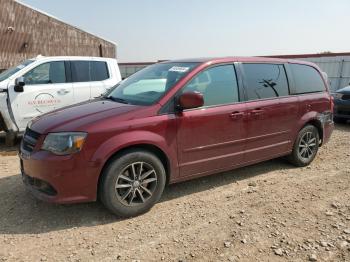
column 19, row 84
column 190, row 100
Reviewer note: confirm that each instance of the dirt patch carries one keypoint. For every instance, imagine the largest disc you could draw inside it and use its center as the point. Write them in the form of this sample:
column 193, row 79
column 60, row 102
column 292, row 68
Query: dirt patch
column 266, row 212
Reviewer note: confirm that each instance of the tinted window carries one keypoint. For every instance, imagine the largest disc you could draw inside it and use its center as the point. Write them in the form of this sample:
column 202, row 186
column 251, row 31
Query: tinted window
column 98, row 71
column 48, row 73
column 218, row 85
column 307, row 79
column 265, row 81
column 80, row 71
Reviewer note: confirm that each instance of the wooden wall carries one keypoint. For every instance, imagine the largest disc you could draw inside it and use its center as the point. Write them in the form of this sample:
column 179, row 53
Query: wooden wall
column 26, row 33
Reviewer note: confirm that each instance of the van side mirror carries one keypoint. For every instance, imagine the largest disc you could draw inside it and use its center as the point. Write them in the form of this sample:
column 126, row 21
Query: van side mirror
column 190, row 100
column 19, row 84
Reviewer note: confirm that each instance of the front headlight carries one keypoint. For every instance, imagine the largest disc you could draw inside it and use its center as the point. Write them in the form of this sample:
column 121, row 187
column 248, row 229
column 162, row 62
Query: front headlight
column 337, row 95
column 64, row 143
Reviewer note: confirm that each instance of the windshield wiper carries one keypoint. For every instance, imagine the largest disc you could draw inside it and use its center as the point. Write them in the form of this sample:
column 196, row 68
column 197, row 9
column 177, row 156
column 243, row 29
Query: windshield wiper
column 117, row 99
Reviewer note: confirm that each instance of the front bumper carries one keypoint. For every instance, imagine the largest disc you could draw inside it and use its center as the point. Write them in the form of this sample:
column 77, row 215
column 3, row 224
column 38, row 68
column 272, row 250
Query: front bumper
column 59, row 179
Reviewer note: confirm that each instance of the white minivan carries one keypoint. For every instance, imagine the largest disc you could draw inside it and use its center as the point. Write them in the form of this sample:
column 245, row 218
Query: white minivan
column 42, row 84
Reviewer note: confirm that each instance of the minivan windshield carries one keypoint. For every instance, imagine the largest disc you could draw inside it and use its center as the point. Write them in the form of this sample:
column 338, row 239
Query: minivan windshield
column 9, row 72
column 148, row 85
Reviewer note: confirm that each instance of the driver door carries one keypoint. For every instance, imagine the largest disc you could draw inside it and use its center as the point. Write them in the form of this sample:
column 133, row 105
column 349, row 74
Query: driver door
column 212, row 138
column 45, row 90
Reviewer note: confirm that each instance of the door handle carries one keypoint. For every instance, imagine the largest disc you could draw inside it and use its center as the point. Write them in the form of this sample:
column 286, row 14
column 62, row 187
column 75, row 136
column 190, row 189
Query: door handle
column 257, row 112
column 63, row 92
column 236, row 115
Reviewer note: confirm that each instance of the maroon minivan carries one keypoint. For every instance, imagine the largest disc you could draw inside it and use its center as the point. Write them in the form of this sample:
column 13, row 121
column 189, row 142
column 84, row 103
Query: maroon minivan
column 174, row 121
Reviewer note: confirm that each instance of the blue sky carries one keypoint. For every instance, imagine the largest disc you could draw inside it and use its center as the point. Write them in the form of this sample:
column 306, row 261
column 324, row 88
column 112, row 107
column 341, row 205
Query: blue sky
column 149, row 30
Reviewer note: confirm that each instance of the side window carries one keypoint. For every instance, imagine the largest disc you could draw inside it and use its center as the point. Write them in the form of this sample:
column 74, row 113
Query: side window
column 98, row 71
column 218, row 85
column 80, row 71
column 47, row 73
column 307, row 79
column 265, row 81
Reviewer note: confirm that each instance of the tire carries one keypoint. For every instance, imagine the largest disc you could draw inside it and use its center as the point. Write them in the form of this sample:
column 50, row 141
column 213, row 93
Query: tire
column 125, row 195
column 339, row 120
column 10, row 138
column 305, row 146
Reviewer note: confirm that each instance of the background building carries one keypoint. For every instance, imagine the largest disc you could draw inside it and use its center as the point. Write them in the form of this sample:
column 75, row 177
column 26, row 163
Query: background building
column 26, row 32
column 127, row 69
column 336, row 65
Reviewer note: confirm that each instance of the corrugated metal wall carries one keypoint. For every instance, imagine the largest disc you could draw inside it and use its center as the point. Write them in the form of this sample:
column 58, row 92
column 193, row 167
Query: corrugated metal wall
column 336, row 67
column 26, row 33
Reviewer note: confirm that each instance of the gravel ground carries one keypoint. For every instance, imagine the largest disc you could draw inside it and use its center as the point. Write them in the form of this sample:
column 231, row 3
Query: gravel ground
column 266, row 212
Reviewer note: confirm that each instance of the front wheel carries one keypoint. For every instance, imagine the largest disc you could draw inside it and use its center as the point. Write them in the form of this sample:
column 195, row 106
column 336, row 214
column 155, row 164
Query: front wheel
column 305, row 147
column 132, row 183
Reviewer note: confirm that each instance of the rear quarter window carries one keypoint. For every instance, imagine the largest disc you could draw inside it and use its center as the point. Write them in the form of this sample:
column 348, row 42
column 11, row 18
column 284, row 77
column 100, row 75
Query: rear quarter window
column 99, row 71
column 307, row 79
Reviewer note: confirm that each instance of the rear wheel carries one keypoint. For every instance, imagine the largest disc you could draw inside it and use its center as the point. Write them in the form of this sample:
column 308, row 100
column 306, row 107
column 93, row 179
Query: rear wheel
column 132, row 183
column 305, row 147
column 10, row 138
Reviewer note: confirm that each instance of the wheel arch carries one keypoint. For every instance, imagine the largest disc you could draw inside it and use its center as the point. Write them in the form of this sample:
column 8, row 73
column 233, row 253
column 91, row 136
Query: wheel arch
column 316, row 123
column 157, row 151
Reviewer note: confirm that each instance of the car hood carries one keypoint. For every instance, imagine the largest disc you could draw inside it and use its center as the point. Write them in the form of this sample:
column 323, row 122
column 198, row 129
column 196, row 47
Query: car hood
column 344, row 90
column 78, row 117
column 4, row 84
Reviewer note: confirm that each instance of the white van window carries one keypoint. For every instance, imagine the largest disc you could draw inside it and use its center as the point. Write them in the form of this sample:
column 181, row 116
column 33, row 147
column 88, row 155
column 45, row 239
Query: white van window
column 9, row 72
column 47, row 73
column 99, row 71
column 86, row 71
column 80, row 71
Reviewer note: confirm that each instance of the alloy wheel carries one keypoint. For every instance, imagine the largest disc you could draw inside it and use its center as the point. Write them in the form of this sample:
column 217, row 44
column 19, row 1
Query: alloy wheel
column 307, row 145
column 136, row 184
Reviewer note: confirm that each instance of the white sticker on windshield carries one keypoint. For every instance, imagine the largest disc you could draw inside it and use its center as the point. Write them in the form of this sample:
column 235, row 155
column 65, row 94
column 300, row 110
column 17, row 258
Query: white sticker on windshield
column 179, row 69
column 20, row 66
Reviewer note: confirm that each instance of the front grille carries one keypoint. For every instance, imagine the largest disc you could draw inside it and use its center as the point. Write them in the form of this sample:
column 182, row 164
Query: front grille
column 30, row 138
column 346, row 97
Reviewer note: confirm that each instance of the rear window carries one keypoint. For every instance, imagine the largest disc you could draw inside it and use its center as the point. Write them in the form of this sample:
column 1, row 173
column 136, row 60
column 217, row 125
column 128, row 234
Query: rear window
column 87, row 71
column 99, row 71
column 307, row 79
column 265, row 81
